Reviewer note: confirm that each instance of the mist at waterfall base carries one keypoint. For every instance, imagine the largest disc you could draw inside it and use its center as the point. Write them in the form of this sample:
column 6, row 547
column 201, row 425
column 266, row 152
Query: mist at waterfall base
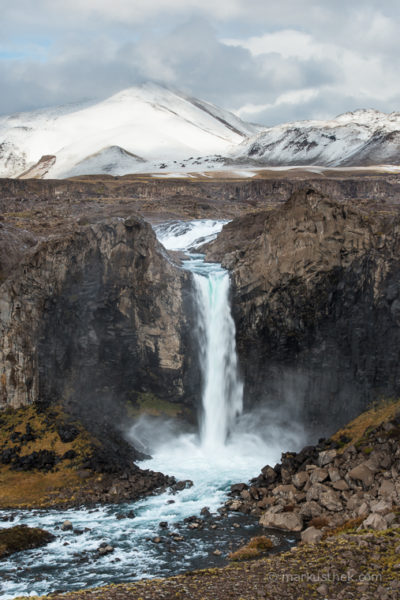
column 230, row 447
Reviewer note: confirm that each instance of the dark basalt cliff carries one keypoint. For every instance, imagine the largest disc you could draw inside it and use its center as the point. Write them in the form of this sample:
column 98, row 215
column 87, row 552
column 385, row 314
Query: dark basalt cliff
column 316, row 300
column 92, row 319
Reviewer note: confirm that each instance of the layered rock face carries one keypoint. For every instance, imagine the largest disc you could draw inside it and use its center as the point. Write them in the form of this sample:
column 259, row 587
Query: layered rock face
column 94, row 317
column 316, row 300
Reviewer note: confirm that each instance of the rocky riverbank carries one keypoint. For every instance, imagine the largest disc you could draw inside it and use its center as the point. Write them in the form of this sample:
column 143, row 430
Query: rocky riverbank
column 352, row 478
column 48, row 459
column 342, row 493
column 345, row 566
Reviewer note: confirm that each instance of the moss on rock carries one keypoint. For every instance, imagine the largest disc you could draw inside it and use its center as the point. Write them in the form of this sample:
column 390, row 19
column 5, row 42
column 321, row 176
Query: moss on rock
column 21, row 537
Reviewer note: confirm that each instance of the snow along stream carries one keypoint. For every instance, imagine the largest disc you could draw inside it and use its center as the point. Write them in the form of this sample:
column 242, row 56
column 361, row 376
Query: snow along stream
column 228, row 449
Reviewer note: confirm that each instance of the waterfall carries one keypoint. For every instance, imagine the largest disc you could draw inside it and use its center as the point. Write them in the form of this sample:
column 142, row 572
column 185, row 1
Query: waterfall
column 222, row 393
column 222, row 389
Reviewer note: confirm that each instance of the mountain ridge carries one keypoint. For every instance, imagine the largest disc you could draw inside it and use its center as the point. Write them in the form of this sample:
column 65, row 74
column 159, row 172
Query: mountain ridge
column 154, row 129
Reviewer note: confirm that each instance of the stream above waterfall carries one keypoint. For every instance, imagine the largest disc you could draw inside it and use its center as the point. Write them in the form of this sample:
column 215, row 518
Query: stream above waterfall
column 231, row 446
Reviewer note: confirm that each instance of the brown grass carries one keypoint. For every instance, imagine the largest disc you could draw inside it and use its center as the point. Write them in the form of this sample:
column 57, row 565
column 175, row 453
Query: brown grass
column 319, row 522
column 35, row 488
column 254, row 548
column 373, row 417
column 15, row 539
column 345, row 527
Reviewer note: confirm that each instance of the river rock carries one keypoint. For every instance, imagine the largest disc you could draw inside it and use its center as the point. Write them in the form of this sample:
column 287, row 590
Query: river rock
column 105, row 549
column 287, row 521
column 66, row 526
column 311, row 535
column 269, row 474
column 235, row 505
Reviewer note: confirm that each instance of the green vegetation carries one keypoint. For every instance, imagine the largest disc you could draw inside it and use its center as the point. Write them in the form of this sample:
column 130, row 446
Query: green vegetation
column 148, row 404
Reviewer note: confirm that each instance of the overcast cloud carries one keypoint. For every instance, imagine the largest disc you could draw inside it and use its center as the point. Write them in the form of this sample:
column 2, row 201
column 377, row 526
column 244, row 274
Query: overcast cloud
column 267, row 61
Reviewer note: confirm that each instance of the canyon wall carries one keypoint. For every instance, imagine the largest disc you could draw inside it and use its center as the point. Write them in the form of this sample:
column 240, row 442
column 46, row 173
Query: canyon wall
column 94, row 314
column 316, row 300
column 217, row 197
column 95, row 318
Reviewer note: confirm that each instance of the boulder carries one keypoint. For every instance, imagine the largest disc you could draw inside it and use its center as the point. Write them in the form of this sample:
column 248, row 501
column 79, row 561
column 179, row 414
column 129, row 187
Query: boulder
column 311, row 535
column 355, row 501
column 379, row 459
column 103, row 550
column 340, row 485
column 362, row 473
column 318, row 475
column 381, row 507
column 300, row 479
column 331, row 501
column 374, row 521
column 386, row 488
column 288, row 521
column 363, row 509
column 285, row 491
column 236, row 488
column 311, row 509
column 390, row 518
column 66, row 526
column 235, row 505
column 334, row 474
column 315, row 491
column 269, row 474
column 245, row 494
column 326, row 457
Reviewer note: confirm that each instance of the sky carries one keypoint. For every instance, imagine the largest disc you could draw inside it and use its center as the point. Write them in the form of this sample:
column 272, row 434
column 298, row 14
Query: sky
column 269, row 62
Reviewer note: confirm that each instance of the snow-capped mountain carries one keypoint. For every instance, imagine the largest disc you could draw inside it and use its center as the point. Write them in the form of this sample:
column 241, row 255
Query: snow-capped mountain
column 134, row 130
column 359, row 138
column 154, row 129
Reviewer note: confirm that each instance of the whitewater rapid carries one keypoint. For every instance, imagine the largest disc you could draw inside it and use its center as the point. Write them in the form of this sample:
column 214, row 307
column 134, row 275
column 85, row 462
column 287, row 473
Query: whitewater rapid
column 230, row 447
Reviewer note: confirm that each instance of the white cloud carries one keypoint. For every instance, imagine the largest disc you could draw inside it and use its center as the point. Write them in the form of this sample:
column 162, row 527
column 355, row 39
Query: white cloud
column 249, row 111
column 286, row 42
column 270, row 60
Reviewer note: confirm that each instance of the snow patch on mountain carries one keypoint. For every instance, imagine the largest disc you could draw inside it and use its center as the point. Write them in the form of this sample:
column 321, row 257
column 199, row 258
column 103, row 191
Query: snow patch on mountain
column 149, row 121
column 112, row 161
column 359, row 138
column 152, row 129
